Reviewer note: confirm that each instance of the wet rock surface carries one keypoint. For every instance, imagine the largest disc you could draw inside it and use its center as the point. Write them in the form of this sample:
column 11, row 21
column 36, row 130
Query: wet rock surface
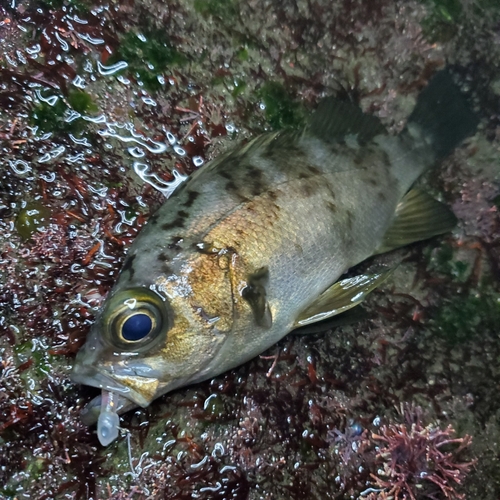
column 104, row 106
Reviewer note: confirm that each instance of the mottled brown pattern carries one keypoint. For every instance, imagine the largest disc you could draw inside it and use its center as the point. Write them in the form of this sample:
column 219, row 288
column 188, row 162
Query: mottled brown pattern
column 177, row 223
column 191, row 198
column 128, row 265
column 331, row 206
column 211, row 287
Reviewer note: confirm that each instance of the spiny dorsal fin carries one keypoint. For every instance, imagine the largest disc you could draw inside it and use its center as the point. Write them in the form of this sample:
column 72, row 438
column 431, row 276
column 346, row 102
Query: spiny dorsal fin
column 335, row 119
column 418, row 217
column 341, row 296
column 255, row 294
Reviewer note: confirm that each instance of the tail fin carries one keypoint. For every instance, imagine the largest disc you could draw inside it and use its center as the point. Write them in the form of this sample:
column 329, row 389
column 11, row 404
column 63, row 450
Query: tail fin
column 443, row 115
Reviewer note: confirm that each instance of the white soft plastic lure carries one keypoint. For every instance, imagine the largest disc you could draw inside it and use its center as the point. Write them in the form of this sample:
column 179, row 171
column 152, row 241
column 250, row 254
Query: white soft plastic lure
column 108, row 422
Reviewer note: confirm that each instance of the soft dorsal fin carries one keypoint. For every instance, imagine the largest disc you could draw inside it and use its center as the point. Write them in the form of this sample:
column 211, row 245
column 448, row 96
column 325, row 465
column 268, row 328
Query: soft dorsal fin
column 418, row 217
column 335, row 119
column 341, row 296
column 255, row 294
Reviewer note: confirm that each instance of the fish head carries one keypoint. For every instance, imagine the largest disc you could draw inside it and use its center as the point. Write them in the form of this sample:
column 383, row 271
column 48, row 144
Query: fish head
column 156, row 335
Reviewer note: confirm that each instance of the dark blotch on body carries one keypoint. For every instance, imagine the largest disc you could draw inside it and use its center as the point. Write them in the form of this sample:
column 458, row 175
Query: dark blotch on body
column 232, row 188
column 331, row 206
column 154, row 218
column 350, row 219
column 311, row 172
column 358, row 158
column 177, row 223
column 314, row 170
column 175, row 243
column 192, row 195
column 128, row 265
column 257, row 180
column 309, row 187
column 163, row 258
column 227, row 175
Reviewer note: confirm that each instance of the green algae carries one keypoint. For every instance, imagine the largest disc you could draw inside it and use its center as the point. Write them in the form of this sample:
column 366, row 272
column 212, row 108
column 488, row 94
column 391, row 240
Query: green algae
column 281, row 110
column 442, row 22
column 242, row 54
column 222, row 9
column 445, row 17
column 214, row 406
column 148, row 55
column 238, row 87
column 467, row 317
column 50, row 118
column 58, row 117
column 55, row 118
column 443, row 260
column 32, row 218
column 235, row 85
column 496, row 202
column 81, row 102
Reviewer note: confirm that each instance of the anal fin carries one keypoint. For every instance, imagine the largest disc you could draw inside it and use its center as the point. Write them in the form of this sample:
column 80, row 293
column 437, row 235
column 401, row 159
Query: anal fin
column 418, row 217
column 340, row 297
column 349, row 317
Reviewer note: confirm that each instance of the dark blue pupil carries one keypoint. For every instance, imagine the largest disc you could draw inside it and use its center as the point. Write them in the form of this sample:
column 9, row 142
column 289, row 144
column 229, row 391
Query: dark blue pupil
column 136, row 327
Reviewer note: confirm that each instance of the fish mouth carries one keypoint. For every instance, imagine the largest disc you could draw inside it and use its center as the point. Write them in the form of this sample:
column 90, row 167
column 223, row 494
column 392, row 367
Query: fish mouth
column 132, row 382
column 126, row 382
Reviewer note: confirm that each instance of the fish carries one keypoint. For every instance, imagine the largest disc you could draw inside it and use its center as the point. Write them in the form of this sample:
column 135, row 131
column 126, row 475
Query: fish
column 256, row 244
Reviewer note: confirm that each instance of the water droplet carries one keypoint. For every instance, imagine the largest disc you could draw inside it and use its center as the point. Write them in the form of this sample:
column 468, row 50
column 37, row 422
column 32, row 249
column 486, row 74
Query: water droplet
column 137, row 152
column 179, row 150
column 19, row 167
column 198, row 161
column 87, row 38
column 149, row 101
column 110, row 70
column 171, row 138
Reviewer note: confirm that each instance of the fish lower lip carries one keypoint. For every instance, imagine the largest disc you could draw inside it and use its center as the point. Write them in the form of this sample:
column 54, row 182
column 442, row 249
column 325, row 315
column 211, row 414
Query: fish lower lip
column 87, row 375
column 127, row 382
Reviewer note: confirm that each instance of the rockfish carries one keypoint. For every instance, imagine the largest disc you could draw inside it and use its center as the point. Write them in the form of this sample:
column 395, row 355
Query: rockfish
column 255, row 243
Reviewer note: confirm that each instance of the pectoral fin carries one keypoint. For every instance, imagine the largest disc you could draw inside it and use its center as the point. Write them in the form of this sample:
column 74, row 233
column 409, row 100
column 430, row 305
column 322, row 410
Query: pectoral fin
column 418, row 217
column 255, row 294
column 341, row 296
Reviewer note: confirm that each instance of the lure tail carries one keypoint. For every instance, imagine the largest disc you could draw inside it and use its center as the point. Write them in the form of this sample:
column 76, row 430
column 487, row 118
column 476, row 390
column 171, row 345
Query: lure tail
column 442, row 115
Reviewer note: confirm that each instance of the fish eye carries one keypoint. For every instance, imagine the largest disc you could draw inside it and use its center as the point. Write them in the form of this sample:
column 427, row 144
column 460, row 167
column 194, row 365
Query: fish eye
column 134, row 317
column 136, row 327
